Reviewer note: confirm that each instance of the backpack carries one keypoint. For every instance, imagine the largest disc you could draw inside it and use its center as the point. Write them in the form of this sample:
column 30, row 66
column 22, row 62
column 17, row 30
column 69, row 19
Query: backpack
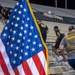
column 71, row 43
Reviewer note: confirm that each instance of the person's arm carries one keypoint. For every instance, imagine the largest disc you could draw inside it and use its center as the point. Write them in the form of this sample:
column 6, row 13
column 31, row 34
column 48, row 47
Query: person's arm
column 58, row 34
column 47, row 31
column 63, row 43
column 62, row 48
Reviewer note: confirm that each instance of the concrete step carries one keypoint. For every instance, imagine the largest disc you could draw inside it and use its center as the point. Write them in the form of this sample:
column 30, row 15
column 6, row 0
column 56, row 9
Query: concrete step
column 57, row 70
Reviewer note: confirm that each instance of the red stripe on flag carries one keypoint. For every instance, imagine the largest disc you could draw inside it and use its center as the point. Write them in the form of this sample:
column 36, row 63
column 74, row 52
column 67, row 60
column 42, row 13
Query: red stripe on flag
column 26, row 68
column 38, row 64
column 44, row 51
column 16, row 71
column 3, row 65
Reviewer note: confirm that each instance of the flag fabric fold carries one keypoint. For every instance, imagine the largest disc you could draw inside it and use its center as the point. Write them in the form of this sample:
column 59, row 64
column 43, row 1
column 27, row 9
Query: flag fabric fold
column 22, row 50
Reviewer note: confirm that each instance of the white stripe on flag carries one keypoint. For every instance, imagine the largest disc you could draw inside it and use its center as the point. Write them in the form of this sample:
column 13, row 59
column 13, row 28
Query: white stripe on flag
column 2, row 48
column 32, row 66
column 6, row 59
column 21, row 71
column 42, row 59
column 1, row 71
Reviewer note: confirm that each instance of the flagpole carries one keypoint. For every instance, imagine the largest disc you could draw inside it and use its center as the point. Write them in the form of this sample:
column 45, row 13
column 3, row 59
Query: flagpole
column 56, row 3
column 65, row 4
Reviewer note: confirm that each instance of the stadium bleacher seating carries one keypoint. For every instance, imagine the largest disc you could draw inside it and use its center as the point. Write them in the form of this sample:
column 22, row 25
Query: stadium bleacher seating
column 6, row 11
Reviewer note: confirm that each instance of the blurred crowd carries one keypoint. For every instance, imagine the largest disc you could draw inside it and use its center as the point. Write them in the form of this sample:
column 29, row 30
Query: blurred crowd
column 5, row 13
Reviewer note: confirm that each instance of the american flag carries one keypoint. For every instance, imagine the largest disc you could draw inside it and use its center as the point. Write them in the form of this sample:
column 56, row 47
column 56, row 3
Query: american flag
column 22, row 50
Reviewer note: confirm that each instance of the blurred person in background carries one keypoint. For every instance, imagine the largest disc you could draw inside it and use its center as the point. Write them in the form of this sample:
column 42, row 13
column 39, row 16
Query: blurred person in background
column 60, row 36
column 44, row 30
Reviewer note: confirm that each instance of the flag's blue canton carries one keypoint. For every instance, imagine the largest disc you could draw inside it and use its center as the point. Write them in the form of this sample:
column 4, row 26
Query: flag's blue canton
column 20, row 35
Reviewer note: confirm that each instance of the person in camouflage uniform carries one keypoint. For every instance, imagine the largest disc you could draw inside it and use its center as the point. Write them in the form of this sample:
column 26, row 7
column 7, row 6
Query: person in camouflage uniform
column 68, row 42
